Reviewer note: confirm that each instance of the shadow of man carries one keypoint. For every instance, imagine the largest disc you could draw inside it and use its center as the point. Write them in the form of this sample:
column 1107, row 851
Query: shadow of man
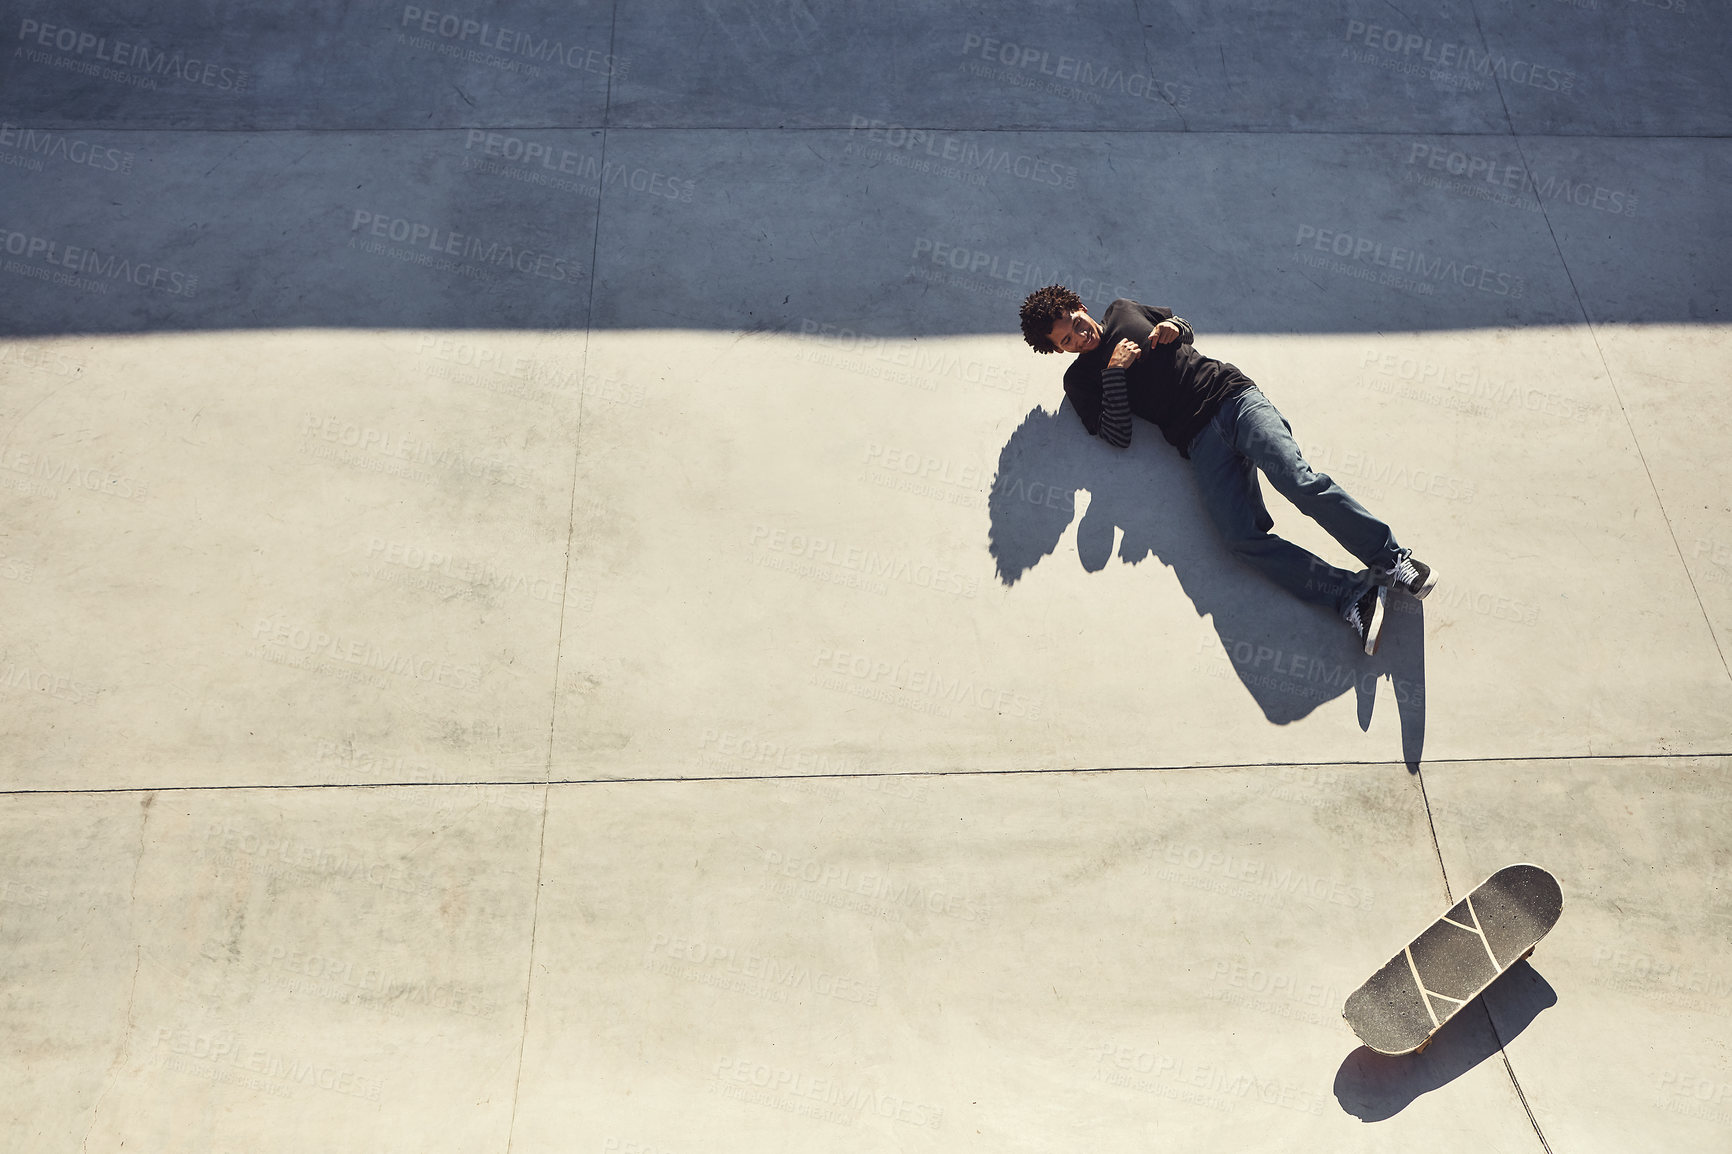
column 1290, row 657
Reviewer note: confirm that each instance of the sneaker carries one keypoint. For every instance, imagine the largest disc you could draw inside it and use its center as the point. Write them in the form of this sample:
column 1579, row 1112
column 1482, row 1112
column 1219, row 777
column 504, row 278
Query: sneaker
column 1412, row 577
column 1366, row 617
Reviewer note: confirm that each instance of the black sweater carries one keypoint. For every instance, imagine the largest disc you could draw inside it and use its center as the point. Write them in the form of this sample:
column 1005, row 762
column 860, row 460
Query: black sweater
column 1172, row 385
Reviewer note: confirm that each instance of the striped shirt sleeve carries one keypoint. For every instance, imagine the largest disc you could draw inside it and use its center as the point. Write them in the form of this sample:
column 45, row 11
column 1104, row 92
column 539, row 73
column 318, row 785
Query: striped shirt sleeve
column 1115, row 408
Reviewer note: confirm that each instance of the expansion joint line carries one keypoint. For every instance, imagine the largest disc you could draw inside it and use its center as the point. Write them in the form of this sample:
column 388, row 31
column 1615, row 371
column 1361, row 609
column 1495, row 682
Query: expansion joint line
column 1431, row 825
column 577, row 430
column 529, row 973
column 1510, row 124
column 559, row 652
column 1605, row 367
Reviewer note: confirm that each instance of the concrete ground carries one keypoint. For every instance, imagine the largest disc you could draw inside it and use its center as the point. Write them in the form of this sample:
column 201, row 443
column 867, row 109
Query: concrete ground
column 546, row 606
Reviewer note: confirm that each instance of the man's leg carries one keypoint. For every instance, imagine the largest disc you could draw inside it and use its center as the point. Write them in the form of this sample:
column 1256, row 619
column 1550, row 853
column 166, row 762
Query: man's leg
column 1262, row 434
column 1227, row 481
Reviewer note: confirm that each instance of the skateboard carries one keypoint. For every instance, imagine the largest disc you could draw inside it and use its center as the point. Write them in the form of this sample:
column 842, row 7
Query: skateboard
column 1403, row 1005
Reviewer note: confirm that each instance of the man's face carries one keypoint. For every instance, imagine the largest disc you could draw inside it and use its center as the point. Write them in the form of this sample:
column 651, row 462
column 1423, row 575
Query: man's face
column 1077, row 333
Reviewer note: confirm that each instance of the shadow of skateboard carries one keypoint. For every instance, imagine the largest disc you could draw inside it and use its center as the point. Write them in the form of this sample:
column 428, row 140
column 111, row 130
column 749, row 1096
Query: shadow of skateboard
column 1402, row 1006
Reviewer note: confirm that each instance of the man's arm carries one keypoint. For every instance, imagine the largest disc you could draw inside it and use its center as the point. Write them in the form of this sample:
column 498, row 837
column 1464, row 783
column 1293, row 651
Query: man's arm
column 1115, row 419
column 1158, row 315
column 1083, row 388
column 1102, row 399
column 1115, row 406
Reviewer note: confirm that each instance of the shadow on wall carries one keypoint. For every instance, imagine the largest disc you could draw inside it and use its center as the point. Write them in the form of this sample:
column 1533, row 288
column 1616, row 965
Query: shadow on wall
column 1290, row 657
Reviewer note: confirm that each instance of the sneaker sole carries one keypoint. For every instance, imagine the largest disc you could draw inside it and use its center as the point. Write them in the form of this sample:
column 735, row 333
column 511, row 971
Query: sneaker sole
column 1376, row 626
column 1430, row 584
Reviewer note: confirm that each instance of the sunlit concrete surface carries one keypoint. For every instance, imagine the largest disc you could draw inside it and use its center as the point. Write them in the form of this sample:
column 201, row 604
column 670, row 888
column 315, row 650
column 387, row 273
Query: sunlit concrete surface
column 545, row 604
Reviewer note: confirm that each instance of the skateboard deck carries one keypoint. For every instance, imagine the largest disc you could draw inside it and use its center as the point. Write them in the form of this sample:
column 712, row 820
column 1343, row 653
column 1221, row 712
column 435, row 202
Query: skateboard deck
column 1402, row 1005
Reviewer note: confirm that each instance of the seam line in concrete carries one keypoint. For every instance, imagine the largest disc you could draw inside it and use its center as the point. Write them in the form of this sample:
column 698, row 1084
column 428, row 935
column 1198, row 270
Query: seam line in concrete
column 1635, row 440
column 1431, row 828
column 1515, row 139
column 529, row 976
column 1521, row 1095
column 1611, row 383
column 577, row 431
column 559, row 642
column 944, row 773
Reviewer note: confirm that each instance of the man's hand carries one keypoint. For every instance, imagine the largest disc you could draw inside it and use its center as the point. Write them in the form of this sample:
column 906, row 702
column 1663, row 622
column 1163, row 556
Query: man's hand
column 1125, row 354
column 1164, row 333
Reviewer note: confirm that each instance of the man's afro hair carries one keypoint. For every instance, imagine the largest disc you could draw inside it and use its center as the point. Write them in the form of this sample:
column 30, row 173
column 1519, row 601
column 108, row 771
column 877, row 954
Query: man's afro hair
column 1044, row 308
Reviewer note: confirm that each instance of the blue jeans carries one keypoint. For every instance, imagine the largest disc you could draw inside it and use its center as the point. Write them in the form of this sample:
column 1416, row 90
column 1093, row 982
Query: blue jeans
column 1248, row 433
